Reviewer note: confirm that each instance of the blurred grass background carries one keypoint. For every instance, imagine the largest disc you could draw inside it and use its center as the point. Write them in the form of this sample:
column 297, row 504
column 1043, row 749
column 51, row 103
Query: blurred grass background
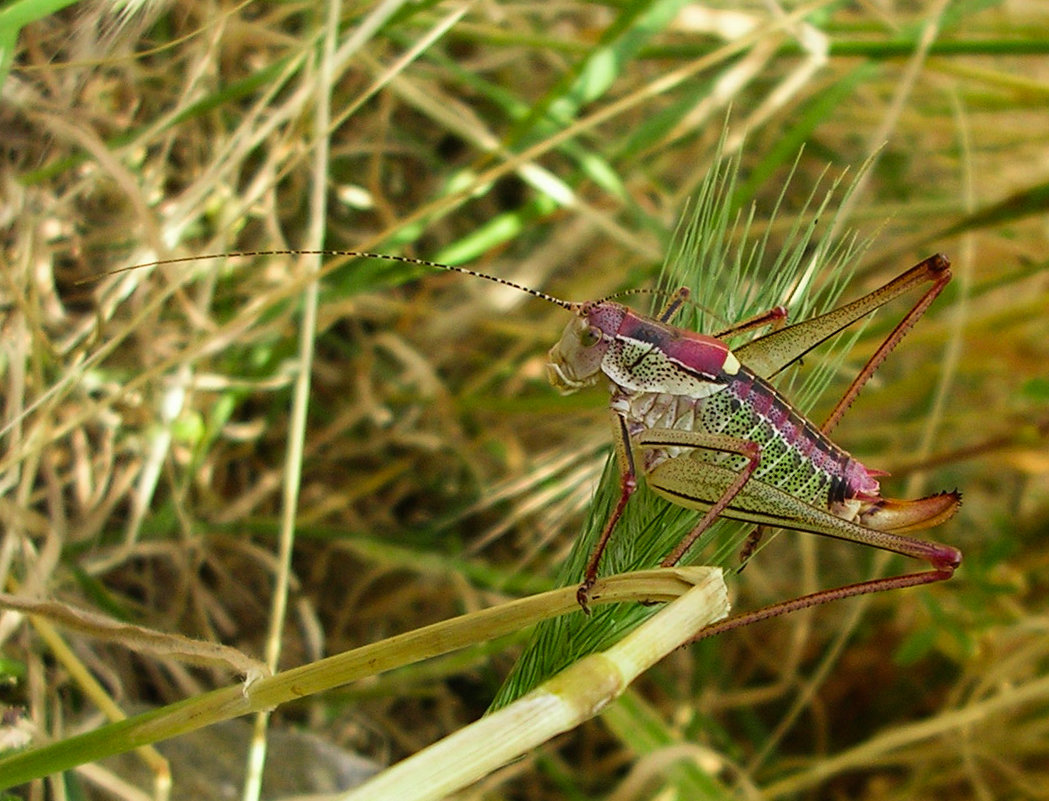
column 146, row 416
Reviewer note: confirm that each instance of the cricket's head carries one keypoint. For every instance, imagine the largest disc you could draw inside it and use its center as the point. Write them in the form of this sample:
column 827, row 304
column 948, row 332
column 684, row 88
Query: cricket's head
column 575, row 361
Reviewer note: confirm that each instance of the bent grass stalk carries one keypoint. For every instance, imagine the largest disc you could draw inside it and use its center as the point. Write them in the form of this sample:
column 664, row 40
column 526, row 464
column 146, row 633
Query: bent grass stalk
column 573, row 696
column 703, row 587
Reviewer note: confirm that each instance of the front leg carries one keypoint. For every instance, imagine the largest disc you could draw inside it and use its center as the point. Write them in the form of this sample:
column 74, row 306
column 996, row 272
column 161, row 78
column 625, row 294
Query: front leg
column 627, row 485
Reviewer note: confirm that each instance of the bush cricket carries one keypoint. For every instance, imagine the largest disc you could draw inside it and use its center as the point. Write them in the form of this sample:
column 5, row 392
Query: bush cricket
column 707, row 430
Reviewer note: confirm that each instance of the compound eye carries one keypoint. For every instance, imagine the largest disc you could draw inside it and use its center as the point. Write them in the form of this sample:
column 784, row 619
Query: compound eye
column 589, row 336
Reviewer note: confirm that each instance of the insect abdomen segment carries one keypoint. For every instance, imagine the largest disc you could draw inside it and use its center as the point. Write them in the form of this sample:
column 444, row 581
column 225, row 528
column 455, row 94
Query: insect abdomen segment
column 795, row 456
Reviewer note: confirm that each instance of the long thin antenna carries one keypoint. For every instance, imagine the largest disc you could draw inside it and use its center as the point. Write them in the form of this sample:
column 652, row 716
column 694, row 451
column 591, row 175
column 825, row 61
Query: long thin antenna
column 357, row 254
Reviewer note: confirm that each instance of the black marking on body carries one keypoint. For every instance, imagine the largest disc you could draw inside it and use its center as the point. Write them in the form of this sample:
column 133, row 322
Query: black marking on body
column 797, row 457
